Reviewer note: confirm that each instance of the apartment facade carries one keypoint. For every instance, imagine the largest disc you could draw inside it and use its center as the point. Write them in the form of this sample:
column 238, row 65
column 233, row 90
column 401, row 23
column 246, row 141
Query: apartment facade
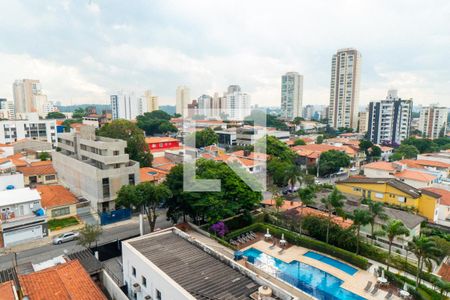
column 390, row 119
column 127, row 106
column 363, row 121
column 34, row 129
column 291, row 95
column 183, row 98
column 433, row 121
column 151, row 101
column 238, row 103
column 27, row 94
column 94, row 167
column 344, row 88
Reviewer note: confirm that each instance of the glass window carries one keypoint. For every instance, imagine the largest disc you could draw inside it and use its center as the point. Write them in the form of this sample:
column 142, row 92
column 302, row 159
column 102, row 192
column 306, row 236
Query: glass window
column 105, row 184
column 144, row 281
column 133, row 271
column 60, row 211
column 158, row 295
column 131, row 180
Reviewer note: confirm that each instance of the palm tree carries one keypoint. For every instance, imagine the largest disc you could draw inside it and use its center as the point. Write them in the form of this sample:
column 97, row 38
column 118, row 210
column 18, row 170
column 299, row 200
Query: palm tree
column 393, row 229
column 279, row 201
column 376, row 210
column 360, row 218
column 333, row 204
column 425, row 250
column 307, row 197
column 294, row 175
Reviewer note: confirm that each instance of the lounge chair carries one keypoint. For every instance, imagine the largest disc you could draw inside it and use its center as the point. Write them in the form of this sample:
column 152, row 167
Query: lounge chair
column 240, row 240
column 249, row 237
column 253, row 234
column 242, row 237
column 368, row 286
column 273, row 245
column 374, row 291
column 389, row 295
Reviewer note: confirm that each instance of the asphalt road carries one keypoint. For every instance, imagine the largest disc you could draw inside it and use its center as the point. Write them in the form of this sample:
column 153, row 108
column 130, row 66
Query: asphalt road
column 42, row 253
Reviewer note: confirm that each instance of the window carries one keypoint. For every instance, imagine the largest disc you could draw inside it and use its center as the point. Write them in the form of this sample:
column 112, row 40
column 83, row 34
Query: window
column 131, row 180
column 133, row 271
column 378, row 195
column 50, row 177
column 401, row 199
column 116, row 152
column 158, row 295
column 144, row 281
column 357, row 189
column 61, row 211
column 105, row 184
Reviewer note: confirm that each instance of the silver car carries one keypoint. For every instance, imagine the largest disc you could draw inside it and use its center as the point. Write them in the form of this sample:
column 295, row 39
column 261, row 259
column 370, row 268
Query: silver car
column 65, row 237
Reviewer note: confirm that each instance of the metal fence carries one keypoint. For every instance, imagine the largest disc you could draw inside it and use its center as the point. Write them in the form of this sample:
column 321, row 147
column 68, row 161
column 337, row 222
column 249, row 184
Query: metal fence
column 114, row 216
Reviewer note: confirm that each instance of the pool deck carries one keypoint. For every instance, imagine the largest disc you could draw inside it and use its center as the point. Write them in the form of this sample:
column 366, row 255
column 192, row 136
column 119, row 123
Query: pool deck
column 354, row 283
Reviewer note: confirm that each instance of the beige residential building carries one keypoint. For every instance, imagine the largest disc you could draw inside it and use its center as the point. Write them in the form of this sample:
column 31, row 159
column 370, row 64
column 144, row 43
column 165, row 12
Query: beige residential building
column 151, row 100
column 363, row 121
column 183, row 98
column 344, row 88
column 94, row 167
column 27, row 95
column 433, row 121
column 291, row 95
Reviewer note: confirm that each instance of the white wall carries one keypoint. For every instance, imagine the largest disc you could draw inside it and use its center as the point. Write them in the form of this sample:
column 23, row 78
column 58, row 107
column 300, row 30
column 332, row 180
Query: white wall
column 13, row 179
column 112, row 288
column 375, row 173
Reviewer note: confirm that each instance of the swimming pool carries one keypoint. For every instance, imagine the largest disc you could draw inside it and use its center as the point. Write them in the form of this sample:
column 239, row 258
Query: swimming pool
column 309, row 279
column 332, row 262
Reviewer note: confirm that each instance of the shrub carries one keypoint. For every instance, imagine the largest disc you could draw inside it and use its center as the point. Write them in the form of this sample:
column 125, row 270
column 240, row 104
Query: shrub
column 239, row 222
column 219, row 228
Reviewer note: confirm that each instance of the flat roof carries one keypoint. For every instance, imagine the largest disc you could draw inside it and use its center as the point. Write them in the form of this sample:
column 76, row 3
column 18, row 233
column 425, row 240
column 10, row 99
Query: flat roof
column 196, row 271
column 15, row 196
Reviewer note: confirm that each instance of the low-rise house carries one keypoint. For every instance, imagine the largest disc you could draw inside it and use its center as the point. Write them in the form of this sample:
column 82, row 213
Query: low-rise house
column 33, row 145
column 64, row 281
column 444, row 205
column 393, row 192
column 57, row 201
column 163, row 163
column 310, row 153
column 22, row 218
column 8, row 291
column 39, row 173
column 153, row 175
column 386, row 152
column 158, row 145
column 443, row 156
column 415, row 178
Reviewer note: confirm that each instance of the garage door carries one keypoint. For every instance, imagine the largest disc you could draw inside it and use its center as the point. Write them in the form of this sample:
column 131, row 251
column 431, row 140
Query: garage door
column 22, row 235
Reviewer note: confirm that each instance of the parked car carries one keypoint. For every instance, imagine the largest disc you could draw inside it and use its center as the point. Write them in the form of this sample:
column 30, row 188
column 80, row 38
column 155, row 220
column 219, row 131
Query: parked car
column 65, row 237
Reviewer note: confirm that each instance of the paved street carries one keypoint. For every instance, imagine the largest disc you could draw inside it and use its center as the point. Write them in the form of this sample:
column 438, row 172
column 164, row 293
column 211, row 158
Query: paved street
column 112, row 232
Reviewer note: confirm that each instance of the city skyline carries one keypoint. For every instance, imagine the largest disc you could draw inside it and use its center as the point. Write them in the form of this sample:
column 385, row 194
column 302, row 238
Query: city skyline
column 78, row 65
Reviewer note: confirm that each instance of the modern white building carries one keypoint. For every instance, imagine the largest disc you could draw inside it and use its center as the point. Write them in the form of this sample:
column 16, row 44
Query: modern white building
column 170, row 264
column 249, row 135
column 94, row 167
column 28, row 95
column 291, row 95
column 127, row 106
column 433, row 121
column 238, row 103
column 344, row 88
column 32, row 128
column 183, row 98
column 205, row 106
column 390, row 119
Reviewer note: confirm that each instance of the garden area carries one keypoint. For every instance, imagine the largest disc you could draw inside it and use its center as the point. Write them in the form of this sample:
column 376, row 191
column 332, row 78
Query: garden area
column 57, row 224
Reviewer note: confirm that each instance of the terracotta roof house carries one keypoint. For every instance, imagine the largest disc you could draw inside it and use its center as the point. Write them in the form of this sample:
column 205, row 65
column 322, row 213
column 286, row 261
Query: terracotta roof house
column 8, row 291
column 63, row 282
column 58, row 201
column 444, row 205
column 38, row 174
column 416, row 178
column 152, row 175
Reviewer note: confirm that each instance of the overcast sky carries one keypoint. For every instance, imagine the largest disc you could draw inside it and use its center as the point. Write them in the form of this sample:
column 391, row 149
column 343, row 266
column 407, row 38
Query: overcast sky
column 84, row 50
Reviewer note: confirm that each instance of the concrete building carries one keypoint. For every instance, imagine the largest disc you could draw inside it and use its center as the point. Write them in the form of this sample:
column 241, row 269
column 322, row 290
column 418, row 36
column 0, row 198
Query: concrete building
column 291, row 95
column 33, row 128
column 390, row 119
column 199, row 272
column 183, row 98
column 22, row 217
column 344, row 89
column 127, row 106
column 151, row 101
column 238, row 103
column 249, row 135
column 94, row 167
column 28, row 95
column 308, row 112
column 433, row 121
column 363, row 121
column 205, row 106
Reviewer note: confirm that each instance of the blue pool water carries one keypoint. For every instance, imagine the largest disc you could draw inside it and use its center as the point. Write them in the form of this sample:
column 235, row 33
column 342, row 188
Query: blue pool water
column 309, row 279
column 332, row 262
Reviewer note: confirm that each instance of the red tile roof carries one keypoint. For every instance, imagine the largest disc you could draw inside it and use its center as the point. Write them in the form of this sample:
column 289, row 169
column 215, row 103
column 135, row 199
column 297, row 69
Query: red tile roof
column 445, row 195
column 45, row 169
column 152, row 174
column 158, row 139
column 63, row 282
column 286, row 204
column 7, row 290
column 55, row 195
column 380, row 165
column 415, row 175
column 157, row 161
column 444, row 271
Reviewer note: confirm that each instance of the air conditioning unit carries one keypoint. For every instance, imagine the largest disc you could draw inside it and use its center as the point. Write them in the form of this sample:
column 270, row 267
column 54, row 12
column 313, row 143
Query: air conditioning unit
column 136, row 287
column 148, row 297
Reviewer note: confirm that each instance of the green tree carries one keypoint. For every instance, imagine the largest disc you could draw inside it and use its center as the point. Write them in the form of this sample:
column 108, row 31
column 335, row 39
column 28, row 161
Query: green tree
column 147, row 196
column 404, row 151
column 156, row 122
column 376, row 210
column 294, row 175
column 125, row 130
column 279, row 201
column 55, row 115
column 365, row 145
column 299, row 142
column 393, row 229
column 333, row 204
column 331, row 161
column 375, row 152
column 89, row 234
column 276, row 168
column 423, row 145
column 360, row 217
column 298, row 120
column 78, row 113
column 276, row 148
column 67, row 122
column 307, row 197
column 260, row 116
column 425, row 251
column 319, row 139
column 43, row 156
column 203, row 138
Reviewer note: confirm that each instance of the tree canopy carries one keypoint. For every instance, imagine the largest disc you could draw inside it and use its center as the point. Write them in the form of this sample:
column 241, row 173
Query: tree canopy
column 423, row 145
column 331, row 161
column 271, row 120
column 155, row 122
column 404, row 151
column 125, row 130
column 55, row 115
column 203, row 138
column 299, row 142
column 234, row 197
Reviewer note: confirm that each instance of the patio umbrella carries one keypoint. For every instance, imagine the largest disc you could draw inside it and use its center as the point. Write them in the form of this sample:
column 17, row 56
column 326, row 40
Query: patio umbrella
column 405, row 287
column 382, row 273
column 268, row 235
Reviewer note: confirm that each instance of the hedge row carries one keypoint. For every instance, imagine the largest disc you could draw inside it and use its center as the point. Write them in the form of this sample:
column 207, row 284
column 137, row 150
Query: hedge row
column 296, row 239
